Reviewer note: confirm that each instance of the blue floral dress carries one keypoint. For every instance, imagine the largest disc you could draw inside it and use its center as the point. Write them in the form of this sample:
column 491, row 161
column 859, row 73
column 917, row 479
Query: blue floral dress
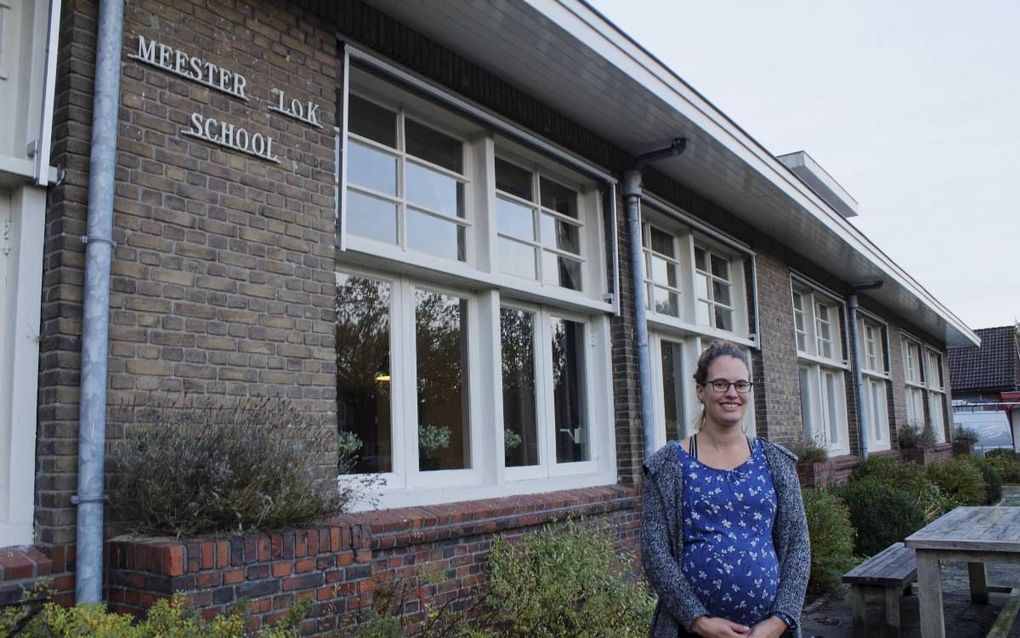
column 728, row 554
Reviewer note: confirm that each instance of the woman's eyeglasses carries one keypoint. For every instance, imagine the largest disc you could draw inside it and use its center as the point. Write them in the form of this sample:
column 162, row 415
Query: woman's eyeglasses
column 721, row 385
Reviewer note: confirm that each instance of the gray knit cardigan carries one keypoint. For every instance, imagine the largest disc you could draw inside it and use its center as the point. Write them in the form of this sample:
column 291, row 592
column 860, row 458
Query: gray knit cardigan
column 662, row 543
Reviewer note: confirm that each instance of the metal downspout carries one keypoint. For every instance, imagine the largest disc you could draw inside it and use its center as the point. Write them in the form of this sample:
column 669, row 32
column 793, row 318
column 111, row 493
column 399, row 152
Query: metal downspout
column 855, row 355
column 631, row 192
column 95, row 330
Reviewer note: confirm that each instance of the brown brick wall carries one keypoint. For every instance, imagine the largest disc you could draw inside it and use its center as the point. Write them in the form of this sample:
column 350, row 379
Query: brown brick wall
column 338, row 564
column 779, row 417
column 626, row 392
column 223, row 273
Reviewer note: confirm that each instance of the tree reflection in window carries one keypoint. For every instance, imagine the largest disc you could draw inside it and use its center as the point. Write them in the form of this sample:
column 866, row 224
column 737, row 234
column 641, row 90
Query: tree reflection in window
column 363, row 369
column 441, row 348
column 517, row 337
column 569, row 391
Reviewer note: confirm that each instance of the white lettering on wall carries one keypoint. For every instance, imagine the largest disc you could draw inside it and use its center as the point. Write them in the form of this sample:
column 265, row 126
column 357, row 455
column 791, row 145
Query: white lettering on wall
column 307, row 112
column 193, row 68
column 233, row 137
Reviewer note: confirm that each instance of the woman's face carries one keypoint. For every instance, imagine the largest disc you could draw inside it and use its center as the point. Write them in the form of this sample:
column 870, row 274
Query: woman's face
column 726, row 408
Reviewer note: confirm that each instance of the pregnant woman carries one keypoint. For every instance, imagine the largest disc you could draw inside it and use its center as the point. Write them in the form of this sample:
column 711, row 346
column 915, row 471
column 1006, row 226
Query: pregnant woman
column 724, row 540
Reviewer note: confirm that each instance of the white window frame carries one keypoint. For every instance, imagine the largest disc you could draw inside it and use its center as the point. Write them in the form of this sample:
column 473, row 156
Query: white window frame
column 548, row 466
column 478, row 280
column 925, row 395
column 685, row 238
column 692, row 346
column 22, row 226
column 872, row 351
column 482, row 145
column 709, row 297
column 936, row 392
column 827, row 420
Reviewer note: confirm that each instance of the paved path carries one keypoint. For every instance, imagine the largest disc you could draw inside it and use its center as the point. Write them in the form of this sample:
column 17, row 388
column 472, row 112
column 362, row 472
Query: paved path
column 830, row 616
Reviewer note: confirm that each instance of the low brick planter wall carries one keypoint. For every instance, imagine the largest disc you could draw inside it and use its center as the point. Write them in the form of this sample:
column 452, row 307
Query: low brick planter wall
column 336, row 564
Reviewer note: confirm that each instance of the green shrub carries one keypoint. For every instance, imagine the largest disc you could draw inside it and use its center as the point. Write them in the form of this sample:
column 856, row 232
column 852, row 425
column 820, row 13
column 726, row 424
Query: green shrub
column 916, row 435
column 1006, row 461
column 251, row 464
column 810, row 451
column 959, row 479
column 564, row 581
column 832, row 539
column 992, row 476
column 910, row 478
column 382, row 614
column 880, row 514
column 168, row 618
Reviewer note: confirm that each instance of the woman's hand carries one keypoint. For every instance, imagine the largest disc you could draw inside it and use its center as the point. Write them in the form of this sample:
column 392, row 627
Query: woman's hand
column 771, row 627
column 710, row 627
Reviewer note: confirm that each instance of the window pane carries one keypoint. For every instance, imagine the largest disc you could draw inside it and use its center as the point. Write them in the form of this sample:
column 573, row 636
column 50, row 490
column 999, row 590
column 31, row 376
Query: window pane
column 434, row 235
column 517, row 337
column 374, row 122
column 723, row 318
column 363, row 371
column 721, row 293
column 515, row 220
column 557, row 234
column 569, row 391
column 433, row 146
column 662, row 271
column 371, row 168
column 703, row 313
column 662, row 243
column 701, row 286
column 516, row 258
column 720, row 267
column 433, row 190
column 700, row 261
column 513, row 179
column 371, row 217
column 804, row 375
column 666, row 302
column 833, row 406
column 441, row 348
column 558, row 198
column 672, row 389
column 560, row 271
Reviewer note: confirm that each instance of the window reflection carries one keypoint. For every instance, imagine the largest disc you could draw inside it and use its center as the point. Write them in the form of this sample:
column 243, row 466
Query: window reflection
column 441, row 349
column 569, row 391
column 517, row 338
column 672, row 389
column 372, row 217
column 371, row 121
column 363, row 370
column 434, row 235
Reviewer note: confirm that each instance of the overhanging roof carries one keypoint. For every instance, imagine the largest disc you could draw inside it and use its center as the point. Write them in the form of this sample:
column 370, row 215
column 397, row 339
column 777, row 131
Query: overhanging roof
column 569, row 56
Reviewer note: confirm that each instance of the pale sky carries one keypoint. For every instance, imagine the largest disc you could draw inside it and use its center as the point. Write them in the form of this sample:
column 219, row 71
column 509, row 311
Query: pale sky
column 912, row 106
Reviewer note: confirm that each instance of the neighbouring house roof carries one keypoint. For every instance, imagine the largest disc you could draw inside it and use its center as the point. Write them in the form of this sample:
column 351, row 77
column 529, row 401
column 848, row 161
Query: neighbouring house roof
column 995, row 365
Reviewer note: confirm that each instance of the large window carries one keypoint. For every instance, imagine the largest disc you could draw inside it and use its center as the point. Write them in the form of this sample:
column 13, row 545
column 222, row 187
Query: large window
column 405, row 182
column 691, row 282
column 695, row 293
column 821, row 367
column 472, row 330
column 936, row 394
column 538, row 225
column 875, row 376
column 925, row 392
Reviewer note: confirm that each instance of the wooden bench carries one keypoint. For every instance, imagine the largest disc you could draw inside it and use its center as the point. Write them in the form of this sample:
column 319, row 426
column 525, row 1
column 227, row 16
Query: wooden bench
column 889, row 572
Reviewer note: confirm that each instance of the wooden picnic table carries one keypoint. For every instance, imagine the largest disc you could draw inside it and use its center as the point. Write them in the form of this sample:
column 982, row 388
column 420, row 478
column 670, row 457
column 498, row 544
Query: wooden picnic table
column 972, row 535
